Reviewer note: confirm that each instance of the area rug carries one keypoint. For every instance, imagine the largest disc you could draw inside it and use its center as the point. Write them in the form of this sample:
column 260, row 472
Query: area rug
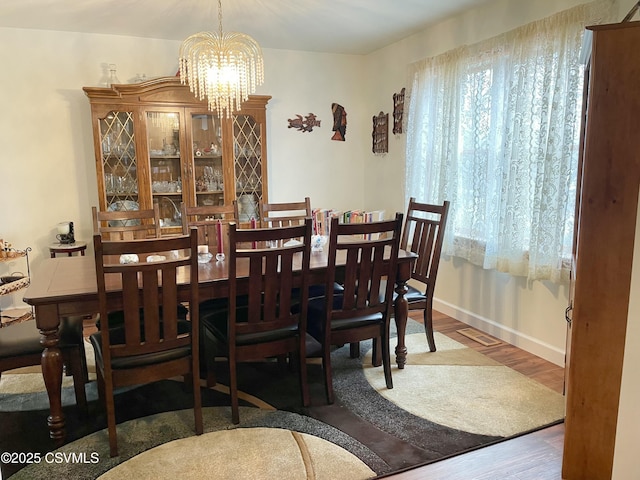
column 442, row 404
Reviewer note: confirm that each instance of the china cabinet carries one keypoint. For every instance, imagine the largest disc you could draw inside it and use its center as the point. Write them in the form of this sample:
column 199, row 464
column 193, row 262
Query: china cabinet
column 156, row 142
column 13, row 279
column 605, row 232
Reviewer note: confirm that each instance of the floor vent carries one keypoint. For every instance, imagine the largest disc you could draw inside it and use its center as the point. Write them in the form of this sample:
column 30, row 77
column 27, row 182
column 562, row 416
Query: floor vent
column 479, row 337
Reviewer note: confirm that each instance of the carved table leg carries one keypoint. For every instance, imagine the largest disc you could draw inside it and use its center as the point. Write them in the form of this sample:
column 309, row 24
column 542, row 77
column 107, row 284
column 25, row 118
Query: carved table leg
column 52, row 371
column 401, row 312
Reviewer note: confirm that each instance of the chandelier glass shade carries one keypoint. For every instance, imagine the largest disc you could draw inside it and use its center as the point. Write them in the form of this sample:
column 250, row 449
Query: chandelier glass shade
column 222, row 67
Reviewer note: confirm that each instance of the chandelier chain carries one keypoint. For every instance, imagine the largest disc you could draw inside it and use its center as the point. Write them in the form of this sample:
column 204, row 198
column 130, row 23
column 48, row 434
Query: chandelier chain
column 220, row 17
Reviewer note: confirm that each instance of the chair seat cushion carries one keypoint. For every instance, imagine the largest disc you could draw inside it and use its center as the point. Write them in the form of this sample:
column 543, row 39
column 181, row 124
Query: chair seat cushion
column 316, row 317
column 215, row 327
column 413, row 295
column 117, row 337
column 24, row 338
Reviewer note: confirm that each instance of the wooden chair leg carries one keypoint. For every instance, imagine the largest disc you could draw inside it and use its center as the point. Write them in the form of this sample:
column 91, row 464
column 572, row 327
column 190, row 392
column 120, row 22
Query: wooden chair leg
column 386, row 360
column 428, row 325
column 197, row 399
column 304, row 386
column 210, row 363
column 376, row 358
column 211, row 379
column 354, row 349
column 78, row 373
column 328, row 374
column 233, row 391
column 83, row 361
column 111, row 420
column 100, row 382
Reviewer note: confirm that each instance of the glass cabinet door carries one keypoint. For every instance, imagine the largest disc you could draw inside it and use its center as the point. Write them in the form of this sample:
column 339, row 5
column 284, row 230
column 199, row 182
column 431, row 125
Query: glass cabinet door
column 247, row 153
column 163, row 131
column 119, row 162
column 208, row 173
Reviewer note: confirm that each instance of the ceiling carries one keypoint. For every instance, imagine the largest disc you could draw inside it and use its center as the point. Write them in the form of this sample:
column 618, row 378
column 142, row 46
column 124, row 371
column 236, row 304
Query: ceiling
column 331, row 26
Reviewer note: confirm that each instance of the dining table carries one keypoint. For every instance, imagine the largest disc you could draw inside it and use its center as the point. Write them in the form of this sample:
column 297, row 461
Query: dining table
column 66, row 286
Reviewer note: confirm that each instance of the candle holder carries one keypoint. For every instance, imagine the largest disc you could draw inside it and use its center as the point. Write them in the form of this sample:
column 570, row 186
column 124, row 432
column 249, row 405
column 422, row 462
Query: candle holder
column 220, row 257
column 203, row 254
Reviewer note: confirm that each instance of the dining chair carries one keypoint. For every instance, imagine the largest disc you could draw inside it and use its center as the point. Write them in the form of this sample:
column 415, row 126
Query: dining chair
column 284, row 214
column 423, row 234
column 265, row 266
column 20, row 347
column 363, row 308
column 290, row 213
column 205, row 219
column 127, row 224
column 153, row 343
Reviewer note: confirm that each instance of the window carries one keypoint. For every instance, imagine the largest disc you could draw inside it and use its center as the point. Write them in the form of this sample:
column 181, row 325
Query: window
column 494, row 128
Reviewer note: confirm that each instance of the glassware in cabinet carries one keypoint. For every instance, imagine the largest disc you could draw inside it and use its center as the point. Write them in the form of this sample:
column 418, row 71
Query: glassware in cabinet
column 166, row 167
column 206, row 135
column 119, row 161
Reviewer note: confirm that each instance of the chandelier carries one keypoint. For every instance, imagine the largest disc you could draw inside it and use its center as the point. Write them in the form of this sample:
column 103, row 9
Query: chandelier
column 223, row 67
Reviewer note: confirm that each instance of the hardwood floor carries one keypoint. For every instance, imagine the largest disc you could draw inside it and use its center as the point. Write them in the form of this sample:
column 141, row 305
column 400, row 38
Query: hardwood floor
column 536, row 456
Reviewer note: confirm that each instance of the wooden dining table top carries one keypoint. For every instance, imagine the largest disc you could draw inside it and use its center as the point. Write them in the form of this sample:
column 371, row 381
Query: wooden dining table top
column 73, row 279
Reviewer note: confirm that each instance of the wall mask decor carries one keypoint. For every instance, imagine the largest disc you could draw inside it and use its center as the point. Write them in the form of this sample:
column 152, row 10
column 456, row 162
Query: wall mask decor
column 380, row 133
column 339, row 122
column 305, row 124
column 398, row 111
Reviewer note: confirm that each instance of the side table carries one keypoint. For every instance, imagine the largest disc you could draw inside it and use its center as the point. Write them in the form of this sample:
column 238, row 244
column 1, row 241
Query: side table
column 68, row 248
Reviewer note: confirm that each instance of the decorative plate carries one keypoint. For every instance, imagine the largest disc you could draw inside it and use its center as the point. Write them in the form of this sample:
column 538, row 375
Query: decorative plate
column 123, row 206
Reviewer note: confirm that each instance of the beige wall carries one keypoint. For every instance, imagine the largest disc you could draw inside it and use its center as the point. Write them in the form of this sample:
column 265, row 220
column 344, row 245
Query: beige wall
column 625, row 461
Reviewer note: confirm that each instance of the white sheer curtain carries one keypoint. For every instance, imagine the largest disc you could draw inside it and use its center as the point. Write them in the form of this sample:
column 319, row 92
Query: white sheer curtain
column 494, row 128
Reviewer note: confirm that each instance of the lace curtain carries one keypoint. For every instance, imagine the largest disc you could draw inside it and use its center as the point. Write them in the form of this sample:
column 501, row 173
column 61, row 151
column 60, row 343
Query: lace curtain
column 495, row 128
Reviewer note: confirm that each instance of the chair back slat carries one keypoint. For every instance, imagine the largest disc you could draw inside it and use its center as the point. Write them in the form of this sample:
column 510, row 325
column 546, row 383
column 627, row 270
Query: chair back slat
column 152, row 304
column 423, row 234
column 130, row 288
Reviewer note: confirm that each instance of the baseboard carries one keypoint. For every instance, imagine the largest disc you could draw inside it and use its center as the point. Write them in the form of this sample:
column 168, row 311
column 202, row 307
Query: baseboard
column 506, row 334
